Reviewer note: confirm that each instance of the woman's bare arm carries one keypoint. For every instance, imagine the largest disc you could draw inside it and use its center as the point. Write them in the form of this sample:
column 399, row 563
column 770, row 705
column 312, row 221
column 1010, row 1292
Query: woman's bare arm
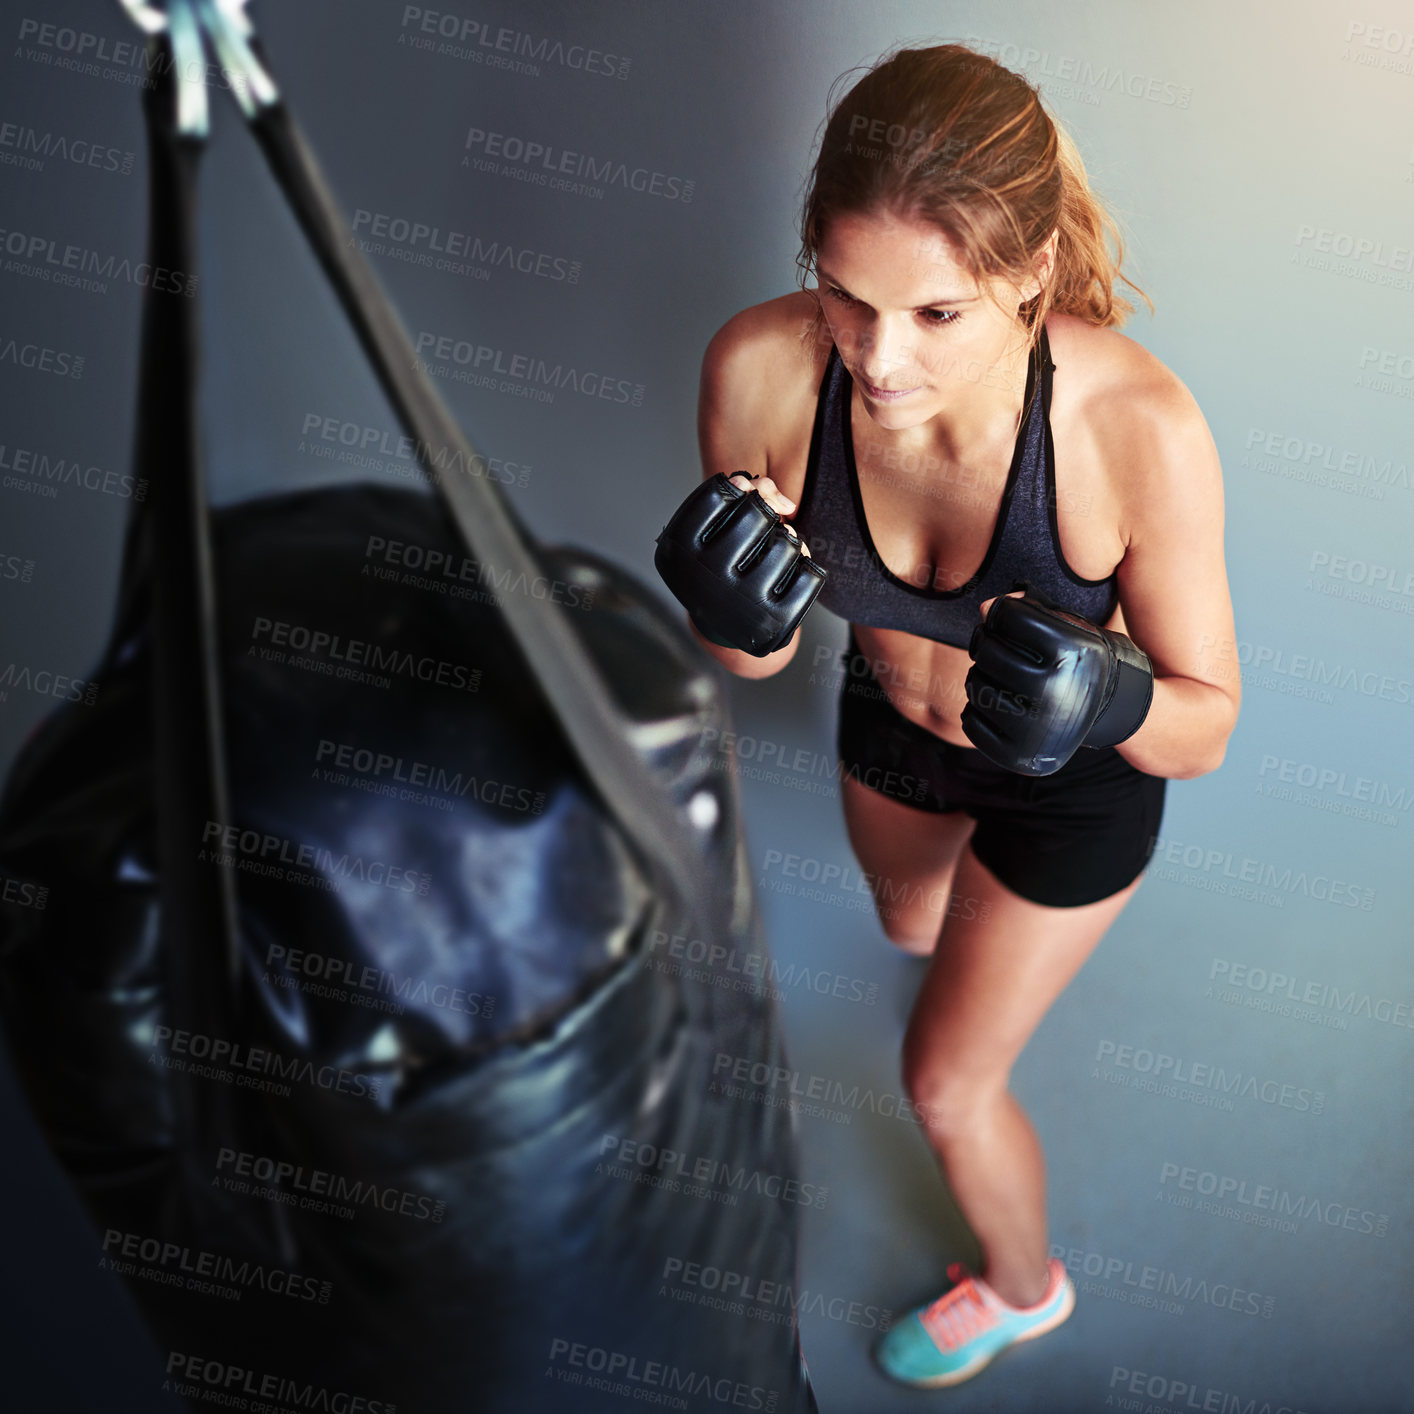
column 1173, row 588
column 735, row 408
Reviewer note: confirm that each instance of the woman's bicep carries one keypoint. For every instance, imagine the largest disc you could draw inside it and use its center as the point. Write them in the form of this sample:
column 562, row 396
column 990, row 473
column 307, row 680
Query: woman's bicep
column 731, row 432
column 1173, row 577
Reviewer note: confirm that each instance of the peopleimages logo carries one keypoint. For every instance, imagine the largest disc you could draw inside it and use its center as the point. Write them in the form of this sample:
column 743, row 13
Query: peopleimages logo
column 1164, row 1393
column 1308, row 992
column 1306, row 459
column 1297, row 674
column 746, row 1294
column 1267, row 1205
column 678, row 1172
column 23, row 893
column 544, row 164
column 175, row 1264
column 361, row 767
column 1080, row 77
column 286, row 856
column 335, row 655
column 219, row 1383
column 359, row 444
column 298, row 1186
column 1333, row 790
column 523, row 374
column 215, row 1058
column 1139, row 1284
column 39, row 472
column 46, row 684
column 1202, row 1075
column 1222, row 871
column 493, row 45
column 655, row 1381
column 42, row 256
column 1386, row 371
column 460, row 251
column 289, row 965
column 754, row 972
column 60, row 362
column 1381, row 586
column 26, row 147
column 779, row 1086
column 1379, row 47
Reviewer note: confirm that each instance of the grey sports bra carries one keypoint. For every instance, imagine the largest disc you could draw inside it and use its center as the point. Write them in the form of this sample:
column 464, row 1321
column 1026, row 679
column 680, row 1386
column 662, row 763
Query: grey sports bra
column 1025, row 544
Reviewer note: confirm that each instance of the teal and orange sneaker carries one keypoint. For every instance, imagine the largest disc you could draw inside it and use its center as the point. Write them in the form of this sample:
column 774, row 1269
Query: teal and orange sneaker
column 951, row 1339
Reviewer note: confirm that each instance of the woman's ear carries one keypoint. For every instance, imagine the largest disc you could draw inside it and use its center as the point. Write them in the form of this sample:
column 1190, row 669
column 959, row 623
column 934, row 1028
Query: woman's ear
column 1044, row 266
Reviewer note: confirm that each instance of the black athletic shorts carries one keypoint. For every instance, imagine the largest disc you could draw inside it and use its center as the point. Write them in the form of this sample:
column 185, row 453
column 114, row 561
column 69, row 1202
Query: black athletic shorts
column 1066, row 839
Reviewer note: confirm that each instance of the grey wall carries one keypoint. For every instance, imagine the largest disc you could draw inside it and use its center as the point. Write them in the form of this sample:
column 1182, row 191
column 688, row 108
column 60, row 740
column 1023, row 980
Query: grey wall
column 1261, row 157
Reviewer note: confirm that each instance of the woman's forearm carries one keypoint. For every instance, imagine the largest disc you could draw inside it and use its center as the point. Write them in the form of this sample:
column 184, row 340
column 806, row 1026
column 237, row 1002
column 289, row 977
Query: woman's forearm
column 1185, row 732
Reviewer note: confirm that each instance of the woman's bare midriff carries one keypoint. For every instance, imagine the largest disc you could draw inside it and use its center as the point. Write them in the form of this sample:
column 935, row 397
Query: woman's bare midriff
column 937, row 535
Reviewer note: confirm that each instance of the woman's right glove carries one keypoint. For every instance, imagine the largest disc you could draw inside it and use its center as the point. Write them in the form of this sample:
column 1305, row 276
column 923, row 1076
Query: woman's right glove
column 731, row 561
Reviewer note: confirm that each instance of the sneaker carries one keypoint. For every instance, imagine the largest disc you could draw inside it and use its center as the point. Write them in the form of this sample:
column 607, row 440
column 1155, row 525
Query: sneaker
column 952, row 1338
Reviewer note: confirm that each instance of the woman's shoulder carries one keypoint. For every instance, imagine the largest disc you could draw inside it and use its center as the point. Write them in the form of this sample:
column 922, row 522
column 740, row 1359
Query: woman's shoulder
column 760, row 378
column 1111, row 377
column 1144, row 425
column 767, row 346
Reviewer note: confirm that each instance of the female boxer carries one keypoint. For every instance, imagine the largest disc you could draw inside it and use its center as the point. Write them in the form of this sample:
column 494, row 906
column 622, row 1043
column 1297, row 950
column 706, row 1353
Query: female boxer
column 950, row 412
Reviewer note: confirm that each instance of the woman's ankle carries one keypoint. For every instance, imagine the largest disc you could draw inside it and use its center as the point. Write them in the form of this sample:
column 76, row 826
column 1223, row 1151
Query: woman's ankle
column 1017, row 1288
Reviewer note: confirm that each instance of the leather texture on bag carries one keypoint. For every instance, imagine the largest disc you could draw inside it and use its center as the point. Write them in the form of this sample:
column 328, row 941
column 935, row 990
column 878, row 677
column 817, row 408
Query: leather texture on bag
column 433, row 1122
column 514, row 1026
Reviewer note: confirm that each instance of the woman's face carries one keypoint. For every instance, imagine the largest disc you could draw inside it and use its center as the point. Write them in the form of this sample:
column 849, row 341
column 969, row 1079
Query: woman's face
column 908, row 319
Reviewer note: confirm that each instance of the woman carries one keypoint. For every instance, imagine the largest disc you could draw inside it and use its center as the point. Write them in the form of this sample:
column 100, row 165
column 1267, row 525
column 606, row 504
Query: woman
column 949, row 412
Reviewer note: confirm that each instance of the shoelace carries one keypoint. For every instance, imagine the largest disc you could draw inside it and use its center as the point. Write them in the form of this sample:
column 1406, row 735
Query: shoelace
column 962, row 1313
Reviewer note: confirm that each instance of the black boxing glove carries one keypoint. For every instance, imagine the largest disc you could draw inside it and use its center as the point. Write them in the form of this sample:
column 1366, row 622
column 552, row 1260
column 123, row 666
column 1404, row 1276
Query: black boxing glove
column 736, row 569
column 1045, row 682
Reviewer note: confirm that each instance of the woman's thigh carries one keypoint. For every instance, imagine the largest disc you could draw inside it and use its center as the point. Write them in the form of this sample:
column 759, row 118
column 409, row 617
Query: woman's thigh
column 910, row 856
column 994, row 974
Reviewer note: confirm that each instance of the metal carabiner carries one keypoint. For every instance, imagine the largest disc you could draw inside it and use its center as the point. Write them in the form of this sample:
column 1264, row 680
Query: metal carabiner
column 228, row 28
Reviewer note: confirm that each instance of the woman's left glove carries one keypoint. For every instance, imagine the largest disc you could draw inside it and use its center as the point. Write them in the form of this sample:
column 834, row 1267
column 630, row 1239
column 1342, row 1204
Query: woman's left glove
column 1045, row 682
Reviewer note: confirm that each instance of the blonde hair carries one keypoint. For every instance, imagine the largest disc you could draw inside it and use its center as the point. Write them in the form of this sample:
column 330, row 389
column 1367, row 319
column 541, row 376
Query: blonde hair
column 949, row 137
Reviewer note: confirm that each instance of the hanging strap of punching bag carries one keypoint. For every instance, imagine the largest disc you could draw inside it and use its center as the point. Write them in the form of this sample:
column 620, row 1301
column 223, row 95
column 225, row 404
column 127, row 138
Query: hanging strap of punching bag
column 568, row 676
column 167, row 581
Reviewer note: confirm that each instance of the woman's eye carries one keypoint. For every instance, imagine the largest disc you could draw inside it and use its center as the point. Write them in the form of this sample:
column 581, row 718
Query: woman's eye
column 930, row 316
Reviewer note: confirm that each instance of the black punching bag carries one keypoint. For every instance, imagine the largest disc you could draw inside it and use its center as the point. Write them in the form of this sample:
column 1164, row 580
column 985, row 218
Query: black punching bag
column 333, row 961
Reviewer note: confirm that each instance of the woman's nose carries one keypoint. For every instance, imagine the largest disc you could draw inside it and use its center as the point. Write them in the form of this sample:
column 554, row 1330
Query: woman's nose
column 884, row 350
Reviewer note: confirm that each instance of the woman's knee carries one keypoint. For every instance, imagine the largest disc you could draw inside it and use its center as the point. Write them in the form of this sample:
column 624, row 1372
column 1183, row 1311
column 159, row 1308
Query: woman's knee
column 913, row 930
column 909, row 858
column 911, row 917
column 950, row 1101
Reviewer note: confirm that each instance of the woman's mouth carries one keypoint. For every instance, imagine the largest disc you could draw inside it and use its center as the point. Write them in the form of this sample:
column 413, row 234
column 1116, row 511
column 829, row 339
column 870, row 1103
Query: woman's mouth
column 886, row 395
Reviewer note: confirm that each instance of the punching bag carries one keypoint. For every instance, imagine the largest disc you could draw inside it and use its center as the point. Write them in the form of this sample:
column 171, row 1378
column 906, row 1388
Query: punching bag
column 336, row 965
